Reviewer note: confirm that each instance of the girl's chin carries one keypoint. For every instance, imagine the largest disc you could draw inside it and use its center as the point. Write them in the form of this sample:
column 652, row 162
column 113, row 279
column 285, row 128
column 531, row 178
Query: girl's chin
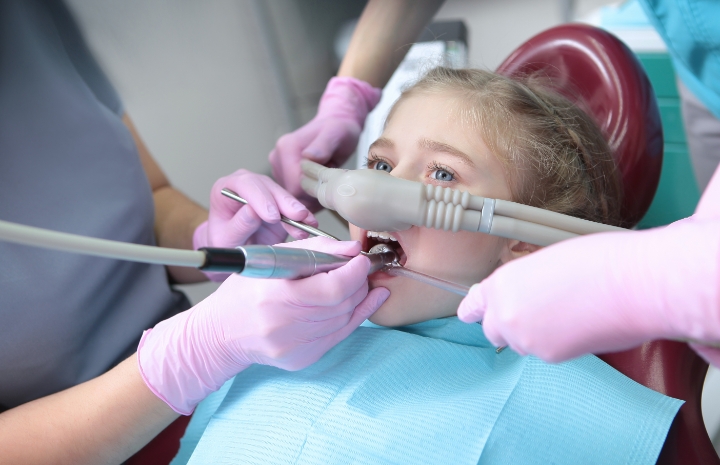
column 389, row 315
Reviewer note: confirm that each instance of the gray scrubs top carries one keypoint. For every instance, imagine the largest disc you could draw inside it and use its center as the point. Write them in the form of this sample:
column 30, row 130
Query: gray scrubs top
column 69, row 164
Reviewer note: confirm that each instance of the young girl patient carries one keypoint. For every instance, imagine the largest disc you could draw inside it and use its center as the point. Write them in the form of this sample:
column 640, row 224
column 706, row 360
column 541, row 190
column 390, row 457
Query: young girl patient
column 418, row 385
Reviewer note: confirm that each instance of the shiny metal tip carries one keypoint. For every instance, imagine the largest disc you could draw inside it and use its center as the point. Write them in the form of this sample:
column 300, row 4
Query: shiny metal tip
column 381, row 248
column 381, row 257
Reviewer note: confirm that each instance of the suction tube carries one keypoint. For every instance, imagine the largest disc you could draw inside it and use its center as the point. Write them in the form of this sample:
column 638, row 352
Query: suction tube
column 455, row 288
column 255, row 261
column 38, row 237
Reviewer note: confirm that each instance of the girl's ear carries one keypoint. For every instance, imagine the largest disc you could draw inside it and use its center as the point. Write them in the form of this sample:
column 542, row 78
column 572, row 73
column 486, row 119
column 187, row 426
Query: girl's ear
column 516, row 249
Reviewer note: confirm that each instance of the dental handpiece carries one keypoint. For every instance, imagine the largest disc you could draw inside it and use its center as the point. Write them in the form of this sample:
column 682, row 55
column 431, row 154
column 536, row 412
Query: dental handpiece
column 273, row 262
column 257, row 261
column 377, row 201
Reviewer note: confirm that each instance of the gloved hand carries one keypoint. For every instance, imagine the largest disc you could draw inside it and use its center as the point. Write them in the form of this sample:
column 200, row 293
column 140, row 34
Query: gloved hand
column 232, row 224
column 329, row 138
column 605, row 292
column 287, row 324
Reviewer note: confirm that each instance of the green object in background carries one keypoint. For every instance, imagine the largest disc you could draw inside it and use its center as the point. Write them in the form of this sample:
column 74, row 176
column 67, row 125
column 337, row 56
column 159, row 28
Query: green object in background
column 678, row 193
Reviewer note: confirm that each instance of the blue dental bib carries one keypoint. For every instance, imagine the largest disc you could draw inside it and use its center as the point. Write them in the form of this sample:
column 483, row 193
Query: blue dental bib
column 435, row 392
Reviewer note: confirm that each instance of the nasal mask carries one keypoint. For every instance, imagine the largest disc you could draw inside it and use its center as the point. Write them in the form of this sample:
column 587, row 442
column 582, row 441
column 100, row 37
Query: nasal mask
column 376, row 201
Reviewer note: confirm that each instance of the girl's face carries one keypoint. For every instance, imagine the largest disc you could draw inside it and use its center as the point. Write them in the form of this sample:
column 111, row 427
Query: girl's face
column 426, row 141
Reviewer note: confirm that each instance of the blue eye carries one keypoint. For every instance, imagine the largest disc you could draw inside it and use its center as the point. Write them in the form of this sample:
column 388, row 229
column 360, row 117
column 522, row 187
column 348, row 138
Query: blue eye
column 442, row 175
column 382, row 166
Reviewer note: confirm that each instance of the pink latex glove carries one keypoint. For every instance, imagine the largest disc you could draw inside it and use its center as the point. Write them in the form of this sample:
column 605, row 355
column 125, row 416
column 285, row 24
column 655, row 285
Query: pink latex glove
column 609, row 292
column 329, row 138
column 286, row 324
column 231, row 224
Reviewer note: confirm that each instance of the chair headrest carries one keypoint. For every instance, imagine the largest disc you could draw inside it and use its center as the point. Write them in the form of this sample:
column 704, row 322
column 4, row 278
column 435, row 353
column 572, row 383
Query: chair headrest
column 592, row 67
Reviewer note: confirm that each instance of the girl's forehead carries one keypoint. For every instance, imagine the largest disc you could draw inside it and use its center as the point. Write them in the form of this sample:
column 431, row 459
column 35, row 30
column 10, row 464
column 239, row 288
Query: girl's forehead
column 437, row 103
column 431, row 120
column 432, row 128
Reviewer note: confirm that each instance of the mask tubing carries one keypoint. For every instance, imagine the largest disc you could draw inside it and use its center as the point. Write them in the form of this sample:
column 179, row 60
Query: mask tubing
column 524, row 231
column 551, row 219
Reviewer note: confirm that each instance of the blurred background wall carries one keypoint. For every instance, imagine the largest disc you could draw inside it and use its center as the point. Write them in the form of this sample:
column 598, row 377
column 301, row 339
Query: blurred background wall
column 211, row 85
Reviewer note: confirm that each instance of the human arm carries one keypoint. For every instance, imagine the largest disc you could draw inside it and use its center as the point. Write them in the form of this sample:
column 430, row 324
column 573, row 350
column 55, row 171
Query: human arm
column 384, row 34
column 288, row 324
column 609, row 292
column 104, row 420
column 181, row 223
column 176, row 216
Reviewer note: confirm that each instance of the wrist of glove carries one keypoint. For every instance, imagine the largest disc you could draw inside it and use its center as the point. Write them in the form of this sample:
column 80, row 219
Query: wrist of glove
column 286, row 324
column 182, row 361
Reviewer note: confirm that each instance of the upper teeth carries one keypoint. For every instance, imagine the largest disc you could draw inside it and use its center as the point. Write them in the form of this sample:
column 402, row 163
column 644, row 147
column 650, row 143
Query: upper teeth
column 382, row 236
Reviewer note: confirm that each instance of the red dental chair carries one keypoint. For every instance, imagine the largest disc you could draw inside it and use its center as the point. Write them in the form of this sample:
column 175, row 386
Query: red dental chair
column 592, row 67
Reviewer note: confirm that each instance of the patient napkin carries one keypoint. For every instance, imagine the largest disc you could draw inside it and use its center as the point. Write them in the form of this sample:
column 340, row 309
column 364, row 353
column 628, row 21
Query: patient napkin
column 198, row 422
column 435, row 392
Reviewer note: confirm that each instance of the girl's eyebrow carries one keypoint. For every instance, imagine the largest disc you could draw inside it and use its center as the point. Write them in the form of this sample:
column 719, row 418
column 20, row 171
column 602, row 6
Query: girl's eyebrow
column 382, row 142
column 435, row 146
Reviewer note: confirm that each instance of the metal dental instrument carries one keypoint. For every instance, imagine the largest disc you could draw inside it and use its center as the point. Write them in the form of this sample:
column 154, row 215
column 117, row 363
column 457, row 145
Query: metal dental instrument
column 376, row 201
column 302, row 226
column 396, row 269
column 256, row 261
column 399, row 270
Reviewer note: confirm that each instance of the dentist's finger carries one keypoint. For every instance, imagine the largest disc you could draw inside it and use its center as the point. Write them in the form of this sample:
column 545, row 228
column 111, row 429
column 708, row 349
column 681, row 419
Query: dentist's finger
column 295, row 233
column 324, row 145
column 330, row 326
column 494, row 334
column 337, row 285
column 319, row 314
column 241, row 226
column 372, row 302
column 270, row 234
column 259, row 197
column 288, row 205
column 314, row 350
column 472, row 308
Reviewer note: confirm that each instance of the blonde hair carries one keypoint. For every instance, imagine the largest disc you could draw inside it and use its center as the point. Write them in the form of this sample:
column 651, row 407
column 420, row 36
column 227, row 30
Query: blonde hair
column 556, row 157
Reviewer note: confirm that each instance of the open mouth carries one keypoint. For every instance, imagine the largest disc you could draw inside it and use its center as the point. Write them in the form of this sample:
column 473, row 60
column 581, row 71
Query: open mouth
column 373, row 238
